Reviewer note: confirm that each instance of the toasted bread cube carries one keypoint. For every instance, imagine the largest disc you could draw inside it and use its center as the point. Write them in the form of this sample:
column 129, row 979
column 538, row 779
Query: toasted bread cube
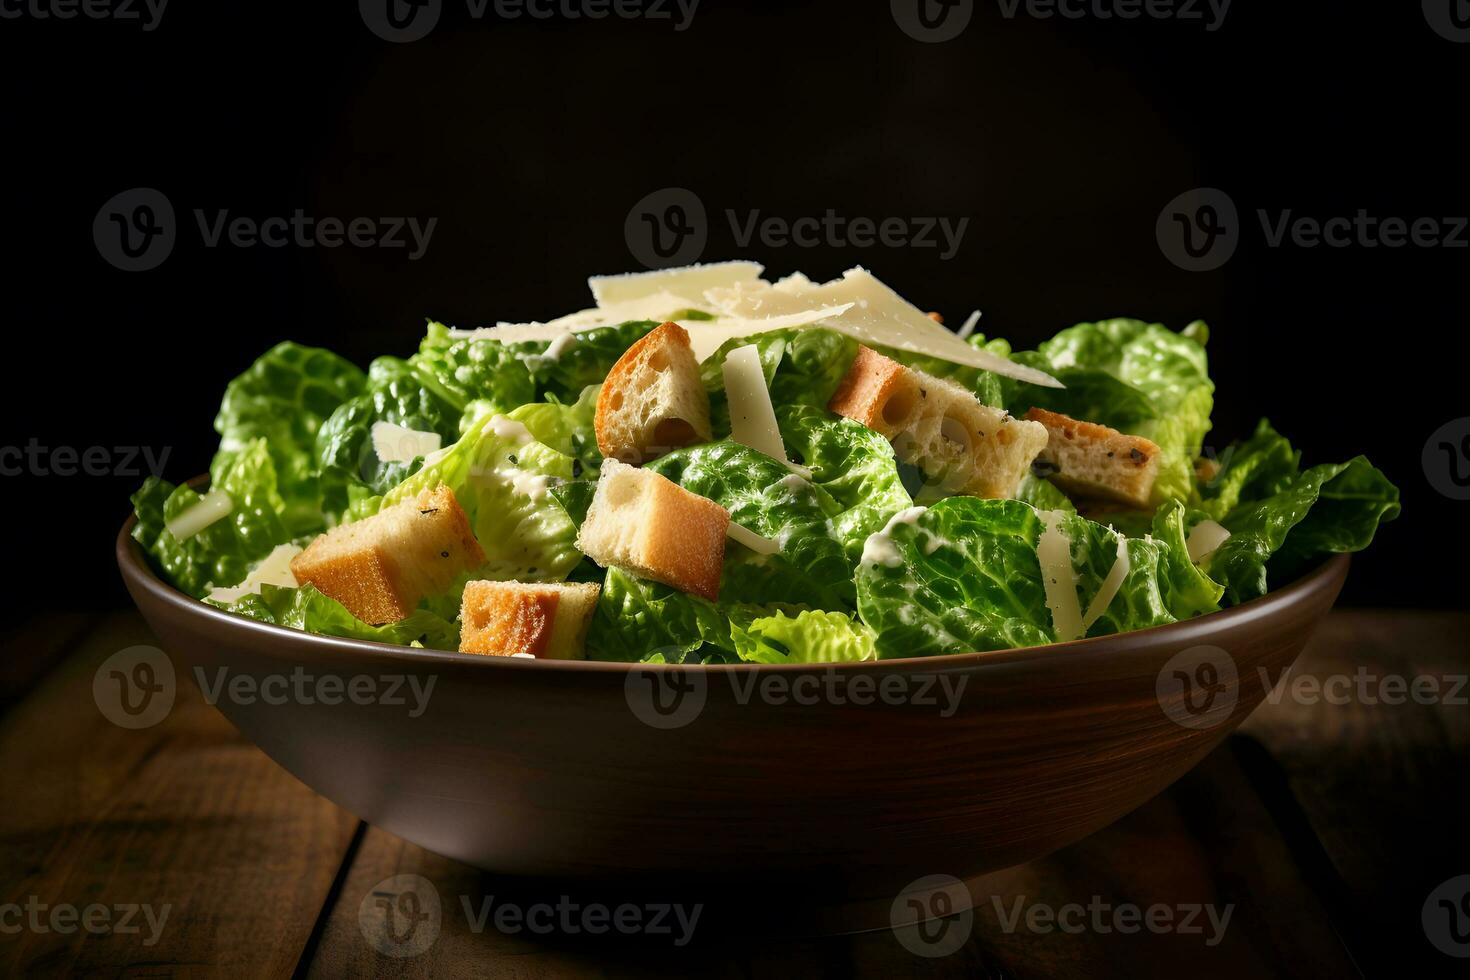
column 382, row 566
column 941, row 427
column 547, row 620
column 653, row 400
column 654, row 528
column 1094, row 461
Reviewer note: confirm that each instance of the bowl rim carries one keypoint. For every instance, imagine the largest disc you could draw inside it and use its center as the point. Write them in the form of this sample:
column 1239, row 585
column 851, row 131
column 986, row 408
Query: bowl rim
column 138, row 572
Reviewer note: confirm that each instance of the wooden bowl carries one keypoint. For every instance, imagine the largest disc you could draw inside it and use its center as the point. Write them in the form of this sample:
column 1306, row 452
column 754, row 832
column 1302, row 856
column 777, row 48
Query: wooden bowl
column 831, row 787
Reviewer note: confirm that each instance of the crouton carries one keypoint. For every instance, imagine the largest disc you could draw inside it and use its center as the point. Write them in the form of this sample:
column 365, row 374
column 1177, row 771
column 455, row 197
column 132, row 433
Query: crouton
column 382, row 566
column 1092, row 460
column 544, row 620
column 654, row 528
column 653, row 400
column 939, row 426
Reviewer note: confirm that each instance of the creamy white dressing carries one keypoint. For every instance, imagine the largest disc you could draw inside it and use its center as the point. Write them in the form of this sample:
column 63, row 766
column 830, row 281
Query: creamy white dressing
column 510, row 430
column 880, row 548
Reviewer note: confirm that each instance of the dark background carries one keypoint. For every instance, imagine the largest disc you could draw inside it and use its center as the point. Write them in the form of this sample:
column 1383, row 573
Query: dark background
column 530, row 141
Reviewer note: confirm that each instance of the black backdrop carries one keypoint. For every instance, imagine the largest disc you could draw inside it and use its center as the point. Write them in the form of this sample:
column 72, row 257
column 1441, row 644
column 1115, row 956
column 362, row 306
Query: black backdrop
column 530, row 140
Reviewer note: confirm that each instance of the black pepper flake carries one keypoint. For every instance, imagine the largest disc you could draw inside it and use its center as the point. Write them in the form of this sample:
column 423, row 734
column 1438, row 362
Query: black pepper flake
column 513, row 460
column 1110, row 455
column 431, row 510
column 443, row 554
column 1136, row 456
column 576, row 468
column 923, row 393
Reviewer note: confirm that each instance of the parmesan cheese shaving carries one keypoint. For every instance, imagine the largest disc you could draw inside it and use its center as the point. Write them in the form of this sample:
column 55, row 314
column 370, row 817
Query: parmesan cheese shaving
column 968, row 327
column 396, row 444
column 689, row 282
column 1109, row 588
column 752, row 417
column 1058, row 577
column 274, row 569
column 211, row 507
column 751, row 540
column 1204, row 540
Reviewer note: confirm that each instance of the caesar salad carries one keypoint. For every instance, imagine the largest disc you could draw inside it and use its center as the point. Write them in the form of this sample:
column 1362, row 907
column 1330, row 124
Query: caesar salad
column 710, row 466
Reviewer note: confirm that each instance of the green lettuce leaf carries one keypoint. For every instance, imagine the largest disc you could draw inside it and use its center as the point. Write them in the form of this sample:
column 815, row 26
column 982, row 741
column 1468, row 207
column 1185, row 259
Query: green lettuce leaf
column 854, row 464
column 764, row 496
column 344, row 445
column 638, row 620
column 568, row 429
column 464, row 371
column 583, row 363
column 1140, row 378
column 1260, row 467
column 965, row 576
column 222, row 553
column 307, row 609
column 802, row 367
column 809, row 636
column 502, row 478
column 284, row 398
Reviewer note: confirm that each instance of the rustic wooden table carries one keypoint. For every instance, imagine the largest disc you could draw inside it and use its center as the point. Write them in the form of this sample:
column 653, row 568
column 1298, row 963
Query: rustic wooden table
column 1323, row 830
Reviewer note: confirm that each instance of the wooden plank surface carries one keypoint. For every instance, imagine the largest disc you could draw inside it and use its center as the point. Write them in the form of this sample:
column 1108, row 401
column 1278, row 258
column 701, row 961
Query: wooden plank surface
column 233, row 856
column 1321, row 828
column 1207, row 843
column 1377, row 788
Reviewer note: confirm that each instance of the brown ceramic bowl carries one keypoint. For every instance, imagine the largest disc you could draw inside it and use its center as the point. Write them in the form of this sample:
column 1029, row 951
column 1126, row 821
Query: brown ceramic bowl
column 832, row 787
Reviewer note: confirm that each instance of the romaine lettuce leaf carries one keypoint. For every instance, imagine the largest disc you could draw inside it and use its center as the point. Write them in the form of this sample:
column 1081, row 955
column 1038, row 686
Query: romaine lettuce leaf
column 568, row 429
column 639, row 620
column 1327, row 509
column 307, row 609
column 764, row 496
column 1140, row 378
column 802, row 367
column 964, row 576
column 344, row 444
column 502, row 478
column 463, row 371
column 583, row 363
column 222, row 553
column 284, row 398
column 806, row 636
column 852, row 463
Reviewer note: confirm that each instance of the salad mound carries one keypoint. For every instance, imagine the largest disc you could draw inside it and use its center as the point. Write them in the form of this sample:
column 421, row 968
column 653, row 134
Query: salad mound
column 851, row 479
